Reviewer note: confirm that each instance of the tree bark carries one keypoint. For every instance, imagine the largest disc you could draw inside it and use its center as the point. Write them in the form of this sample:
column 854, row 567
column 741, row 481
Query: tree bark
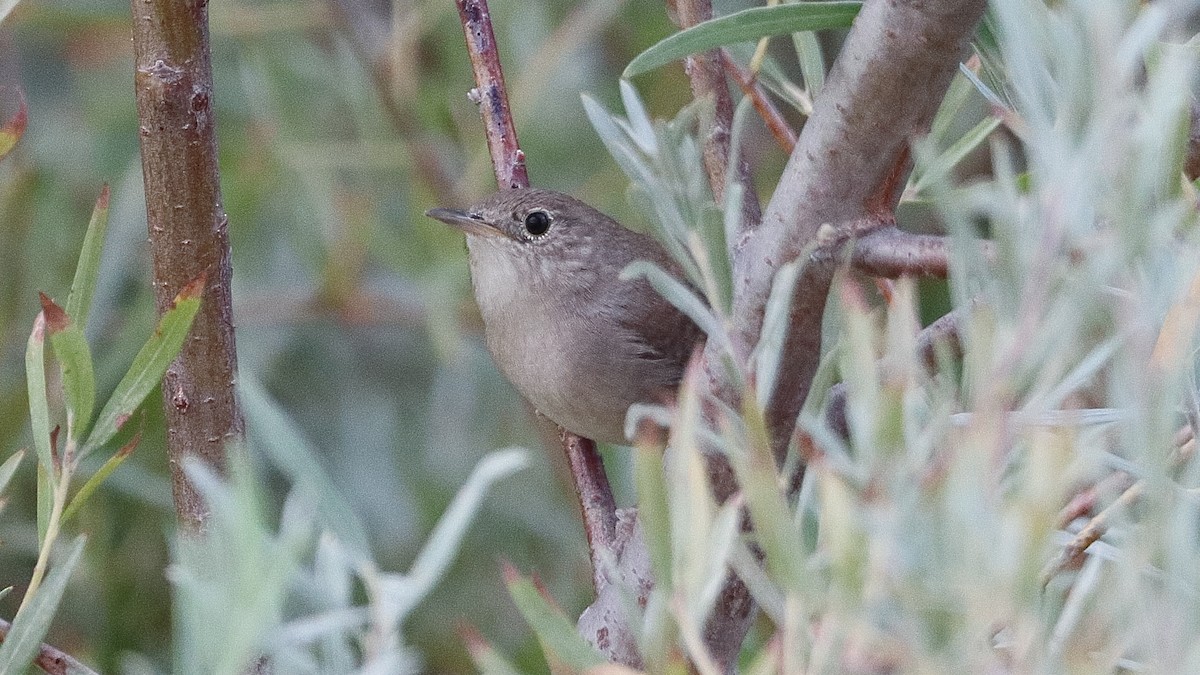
column 188, row 233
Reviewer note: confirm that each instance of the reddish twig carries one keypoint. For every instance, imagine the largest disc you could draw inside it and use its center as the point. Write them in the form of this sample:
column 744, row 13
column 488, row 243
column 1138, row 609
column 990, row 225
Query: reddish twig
column 491, row 96
column 51, row 659
column 708, row 83
column 596, row 504
column 1072, row 555
column 591, row 483
column 188, row 233
column 779, row 127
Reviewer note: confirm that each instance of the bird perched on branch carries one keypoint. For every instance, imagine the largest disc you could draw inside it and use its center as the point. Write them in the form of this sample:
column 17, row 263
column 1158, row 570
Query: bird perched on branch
column 580, row 343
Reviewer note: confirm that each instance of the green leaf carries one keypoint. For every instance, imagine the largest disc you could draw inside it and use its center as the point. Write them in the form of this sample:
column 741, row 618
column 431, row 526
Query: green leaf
column 35, row 383
column 768, row 353
column 812, row 61
column 31, row 624
column 743, row 26
column 949, row 159
column 12, row 129
column 75, row 361
column 485, row 656
column 9, row 468
column 79, row 302
column 148, row 366
column 99, row 477
column 653, row 509
column 553, row 629
column 45, row 500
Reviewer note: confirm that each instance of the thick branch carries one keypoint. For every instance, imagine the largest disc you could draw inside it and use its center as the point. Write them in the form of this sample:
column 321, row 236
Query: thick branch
column 847, row 170
column 188, row 232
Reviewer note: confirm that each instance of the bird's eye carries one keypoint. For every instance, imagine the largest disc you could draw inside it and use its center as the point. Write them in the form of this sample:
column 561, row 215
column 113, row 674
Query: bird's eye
column 537, row 222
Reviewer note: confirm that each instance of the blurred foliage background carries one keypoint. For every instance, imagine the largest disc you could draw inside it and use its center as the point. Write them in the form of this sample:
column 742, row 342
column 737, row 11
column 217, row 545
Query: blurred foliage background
column 352, row 309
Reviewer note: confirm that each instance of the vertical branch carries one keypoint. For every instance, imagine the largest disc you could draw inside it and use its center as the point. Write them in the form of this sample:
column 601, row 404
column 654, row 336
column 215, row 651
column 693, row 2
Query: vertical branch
column 596, row 503
column 188, row 232
column 708, row 83
column 491, row 96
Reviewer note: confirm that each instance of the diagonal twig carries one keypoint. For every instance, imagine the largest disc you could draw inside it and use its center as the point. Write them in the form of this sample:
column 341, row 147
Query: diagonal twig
column 51, row 659
column 784, row 135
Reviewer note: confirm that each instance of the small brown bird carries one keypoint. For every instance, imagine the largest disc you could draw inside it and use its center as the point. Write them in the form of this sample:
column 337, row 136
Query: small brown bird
column 578, row 342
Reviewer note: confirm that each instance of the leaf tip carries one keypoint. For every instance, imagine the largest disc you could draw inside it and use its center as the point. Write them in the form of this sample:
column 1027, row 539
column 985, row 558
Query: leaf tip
column 102, row 200
column 56, row 318
column 510, row 572
column 194, row 288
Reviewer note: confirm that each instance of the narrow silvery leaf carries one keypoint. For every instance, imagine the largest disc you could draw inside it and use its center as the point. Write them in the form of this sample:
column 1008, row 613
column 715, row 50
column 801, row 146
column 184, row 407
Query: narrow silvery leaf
column 679, row 295
column 443, row 541
column 958, row 151
column 30, row 625
column 617, row 141
column 769, row 352
column 640, row 125
column 35, row 382
column 987, row 92
column 293, row 455
column 9, row 468
column 812, row 61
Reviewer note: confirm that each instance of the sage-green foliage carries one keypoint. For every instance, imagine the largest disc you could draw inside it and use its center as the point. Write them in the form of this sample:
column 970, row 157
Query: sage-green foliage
column 929, row 541
column 290, row 594
column 353, row 311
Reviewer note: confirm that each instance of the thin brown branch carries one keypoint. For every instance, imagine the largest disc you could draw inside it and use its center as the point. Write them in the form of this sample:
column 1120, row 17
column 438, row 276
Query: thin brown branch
column 188, row 233
column 707, row 77
column 596, row 504
column 784, row 135
column 944, row 332
column 892, row 253
column 1072, row 555
column 368, row 26
column 507, row 158
column 51, row 659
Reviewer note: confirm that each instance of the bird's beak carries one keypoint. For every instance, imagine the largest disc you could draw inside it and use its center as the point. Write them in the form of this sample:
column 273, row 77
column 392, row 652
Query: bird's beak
column 467, row 222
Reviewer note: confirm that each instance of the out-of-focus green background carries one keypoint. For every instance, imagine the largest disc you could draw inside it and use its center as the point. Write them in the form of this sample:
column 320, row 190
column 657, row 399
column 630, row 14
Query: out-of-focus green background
column 338, row 127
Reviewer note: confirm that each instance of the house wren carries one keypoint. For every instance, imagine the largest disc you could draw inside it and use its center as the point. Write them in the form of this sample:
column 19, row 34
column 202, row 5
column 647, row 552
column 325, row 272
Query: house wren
column 577, row 341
